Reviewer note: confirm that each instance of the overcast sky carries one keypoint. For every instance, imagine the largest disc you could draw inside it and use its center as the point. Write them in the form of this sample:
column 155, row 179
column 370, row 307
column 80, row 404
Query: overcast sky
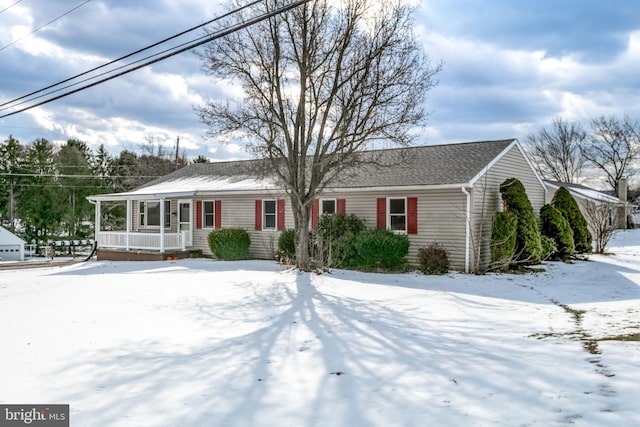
column 509, row 68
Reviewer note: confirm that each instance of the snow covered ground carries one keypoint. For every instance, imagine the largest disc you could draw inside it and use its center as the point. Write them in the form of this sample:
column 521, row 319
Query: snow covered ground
column 205, row 343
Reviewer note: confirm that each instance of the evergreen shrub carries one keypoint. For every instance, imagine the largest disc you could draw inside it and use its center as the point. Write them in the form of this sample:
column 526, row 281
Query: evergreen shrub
column 434, row 259
column 528, row 244
column 381, row 248
column 287, row 243
column 230, row 243
column 549, row 248
column 556, row 226
column 565, row 203
column 503, row 239
column 335, row 237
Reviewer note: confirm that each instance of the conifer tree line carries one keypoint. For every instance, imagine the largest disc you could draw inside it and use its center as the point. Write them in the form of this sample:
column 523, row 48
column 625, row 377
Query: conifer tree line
column 43, row 186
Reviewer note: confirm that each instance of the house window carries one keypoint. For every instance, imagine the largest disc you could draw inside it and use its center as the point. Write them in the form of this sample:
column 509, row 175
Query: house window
column 327, row 206
column 397, row 219
column 269, row 215
column 149, row 214
column 208, row 214
column 167, row 214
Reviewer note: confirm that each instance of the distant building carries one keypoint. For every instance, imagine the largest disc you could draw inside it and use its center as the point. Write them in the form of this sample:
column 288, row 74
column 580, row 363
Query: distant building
column 619, row 208
column 11, row 246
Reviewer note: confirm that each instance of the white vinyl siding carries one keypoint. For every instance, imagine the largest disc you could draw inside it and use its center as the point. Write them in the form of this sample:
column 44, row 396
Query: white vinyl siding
column 441, row 218
column 239, row 212
column 487, row 200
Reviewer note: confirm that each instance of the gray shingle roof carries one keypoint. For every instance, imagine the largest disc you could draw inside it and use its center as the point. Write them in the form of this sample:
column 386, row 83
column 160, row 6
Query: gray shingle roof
column 448, row 164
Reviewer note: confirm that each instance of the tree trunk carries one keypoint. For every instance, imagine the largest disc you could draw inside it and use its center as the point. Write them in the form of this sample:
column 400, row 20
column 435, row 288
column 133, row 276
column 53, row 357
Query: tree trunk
column 301, row 215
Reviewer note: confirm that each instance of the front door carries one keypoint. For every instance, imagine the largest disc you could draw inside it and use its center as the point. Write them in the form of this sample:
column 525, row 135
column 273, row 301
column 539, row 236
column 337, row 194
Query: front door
column 184, row 221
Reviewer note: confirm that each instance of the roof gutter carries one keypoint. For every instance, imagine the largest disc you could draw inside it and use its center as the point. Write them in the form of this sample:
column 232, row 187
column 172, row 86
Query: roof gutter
column 467, row 249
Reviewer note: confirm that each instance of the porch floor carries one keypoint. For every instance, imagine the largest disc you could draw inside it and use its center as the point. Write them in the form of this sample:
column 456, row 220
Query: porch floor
column 140, row 255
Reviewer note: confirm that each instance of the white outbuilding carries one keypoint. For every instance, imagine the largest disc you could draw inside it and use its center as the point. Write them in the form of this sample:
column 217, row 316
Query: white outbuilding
column 11, row 246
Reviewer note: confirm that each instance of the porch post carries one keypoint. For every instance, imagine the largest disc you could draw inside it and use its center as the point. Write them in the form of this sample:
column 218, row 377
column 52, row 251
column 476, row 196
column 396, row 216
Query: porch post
column 128, row 228
column 98, row 216
column 161, row 226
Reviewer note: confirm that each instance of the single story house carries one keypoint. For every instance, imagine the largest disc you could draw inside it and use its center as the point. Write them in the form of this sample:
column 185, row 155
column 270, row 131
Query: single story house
column 619, row 208
column 438, row 193
column 11, row 246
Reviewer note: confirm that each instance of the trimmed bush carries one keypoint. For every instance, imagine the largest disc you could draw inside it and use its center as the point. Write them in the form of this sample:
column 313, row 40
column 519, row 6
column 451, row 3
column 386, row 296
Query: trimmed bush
column 287, row 243
column 434, row 259
column 565, row 203
column 528, row 244
column 556, row 226
column 230, row 243
column 503, row 239
column 549, row 248
column 381, row 248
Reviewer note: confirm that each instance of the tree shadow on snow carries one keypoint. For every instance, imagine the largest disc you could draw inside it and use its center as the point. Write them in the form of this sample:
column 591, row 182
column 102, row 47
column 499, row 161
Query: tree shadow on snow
column 302, row 357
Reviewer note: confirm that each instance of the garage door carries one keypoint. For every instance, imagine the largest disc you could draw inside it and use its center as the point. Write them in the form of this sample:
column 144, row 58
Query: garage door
column 10, row 252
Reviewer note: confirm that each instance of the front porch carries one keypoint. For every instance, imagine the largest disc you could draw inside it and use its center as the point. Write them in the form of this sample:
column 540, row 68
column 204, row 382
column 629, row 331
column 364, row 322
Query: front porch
column 156, row 226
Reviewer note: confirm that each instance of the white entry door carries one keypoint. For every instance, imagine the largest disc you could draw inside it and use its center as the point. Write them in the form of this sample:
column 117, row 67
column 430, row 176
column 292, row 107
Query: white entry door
column 184, row 221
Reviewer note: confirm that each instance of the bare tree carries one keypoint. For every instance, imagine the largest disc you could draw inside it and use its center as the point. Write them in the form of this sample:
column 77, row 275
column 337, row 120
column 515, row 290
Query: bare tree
column 321, row 83
column 601, row 218
column 613, row 147
column 557, row 150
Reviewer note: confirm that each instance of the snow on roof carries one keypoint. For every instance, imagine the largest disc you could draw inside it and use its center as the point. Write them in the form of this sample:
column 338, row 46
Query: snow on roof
column 191, row 185
column 586, row 192
column 8, row 238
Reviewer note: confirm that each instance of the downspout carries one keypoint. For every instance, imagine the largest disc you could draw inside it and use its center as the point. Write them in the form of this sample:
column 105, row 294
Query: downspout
column 467, row 251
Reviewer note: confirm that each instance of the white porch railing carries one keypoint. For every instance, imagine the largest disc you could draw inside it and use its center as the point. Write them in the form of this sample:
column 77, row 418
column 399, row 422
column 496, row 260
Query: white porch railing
column 148, row 241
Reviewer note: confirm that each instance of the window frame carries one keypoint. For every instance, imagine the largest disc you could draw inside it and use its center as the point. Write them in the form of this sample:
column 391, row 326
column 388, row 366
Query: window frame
column 404, row 215
column 211, row 214
column 265, row 214
column 321, row 210
column 143, row 214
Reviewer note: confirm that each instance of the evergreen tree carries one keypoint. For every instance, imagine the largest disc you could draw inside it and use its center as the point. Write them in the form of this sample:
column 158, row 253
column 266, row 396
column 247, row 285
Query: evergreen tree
column 73, row 164
column 39, row 201
column 102, row 167
column 565, row 203
column 12, row 157
column 528, row 243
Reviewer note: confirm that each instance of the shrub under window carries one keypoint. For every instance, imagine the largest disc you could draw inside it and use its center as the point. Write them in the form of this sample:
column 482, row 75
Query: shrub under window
column 230, row 243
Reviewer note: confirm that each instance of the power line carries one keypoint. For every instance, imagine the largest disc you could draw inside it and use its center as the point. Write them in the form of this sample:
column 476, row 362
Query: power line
column 187, row 46
column 55, row 175
column 42, row 26
column 9, row 7
column 120, row 59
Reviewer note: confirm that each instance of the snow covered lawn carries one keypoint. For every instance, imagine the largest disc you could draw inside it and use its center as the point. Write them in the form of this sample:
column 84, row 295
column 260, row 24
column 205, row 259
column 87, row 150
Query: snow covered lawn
column 205, row 343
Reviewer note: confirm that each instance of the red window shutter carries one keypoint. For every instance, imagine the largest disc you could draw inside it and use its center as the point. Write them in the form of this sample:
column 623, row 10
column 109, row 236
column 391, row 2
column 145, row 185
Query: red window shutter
column 412, row 215
column 258, row 214
column 315, row 213
column 199, row 214
column 218, row 214
column 280, row 219
column 382, row 213
column 341, row 206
